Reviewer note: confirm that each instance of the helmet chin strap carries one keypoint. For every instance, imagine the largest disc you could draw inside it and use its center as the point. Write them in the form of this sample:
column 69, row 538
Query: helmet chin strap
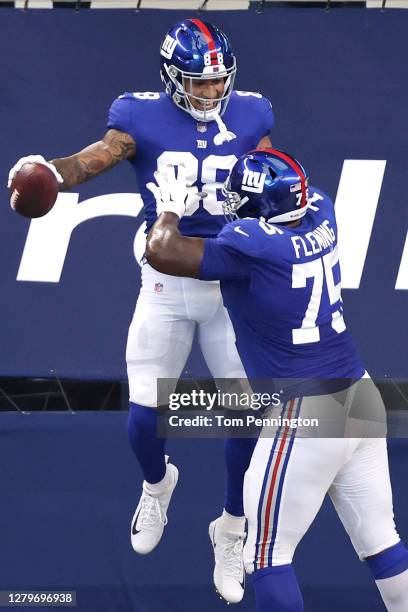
column 224, row 134
column 214, row 115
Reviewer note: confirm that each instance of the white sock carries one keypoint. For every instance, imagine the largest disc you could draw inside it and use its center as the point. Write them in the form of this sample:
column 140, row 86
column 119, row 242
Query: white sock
column 394, row 592
column 234, row 524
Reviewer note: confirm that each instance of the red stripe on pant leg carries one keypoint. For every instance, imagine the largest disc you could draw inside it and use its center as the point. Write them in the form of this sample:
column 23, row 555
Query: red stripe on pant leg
column 272, row 485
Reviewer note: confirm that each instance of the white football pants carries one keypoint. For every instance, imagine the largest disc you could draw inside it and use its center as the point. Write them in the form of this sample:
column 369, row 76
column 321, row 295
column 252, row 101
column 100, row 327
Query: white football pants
column 289, row 477
column 162, row 330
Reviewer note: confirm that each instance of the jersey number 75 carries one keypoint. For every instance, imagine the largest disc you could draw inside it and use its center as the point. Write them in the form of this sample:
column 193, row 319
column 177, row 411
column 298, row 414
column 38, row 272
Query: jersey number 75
column 319, row 269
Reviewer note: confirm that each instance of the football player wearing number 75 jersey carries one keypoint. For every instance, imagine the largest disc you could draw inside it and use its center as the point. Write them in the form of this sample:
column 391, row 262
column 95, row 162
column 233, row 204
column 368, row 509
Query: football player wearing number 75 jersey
column 199, row 121
column 280, row 279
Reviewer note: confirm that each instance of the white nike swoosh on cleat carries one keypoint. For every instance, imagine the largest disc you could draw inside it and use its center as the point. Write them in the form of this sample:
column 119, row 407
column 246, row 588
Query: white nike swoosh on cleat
column 134, row 530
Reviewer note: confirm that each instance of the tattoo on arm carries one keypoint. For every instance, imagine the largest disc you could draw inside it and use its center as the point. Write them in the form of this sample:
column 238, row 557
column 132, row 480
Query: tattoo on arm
column 95, row 159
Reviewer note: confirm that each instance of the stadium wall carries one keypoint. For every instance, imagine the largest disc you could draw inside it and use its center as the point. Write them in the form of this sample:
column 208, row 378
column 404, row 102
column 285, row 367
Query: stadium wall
column 339, row 94
column 69, row 483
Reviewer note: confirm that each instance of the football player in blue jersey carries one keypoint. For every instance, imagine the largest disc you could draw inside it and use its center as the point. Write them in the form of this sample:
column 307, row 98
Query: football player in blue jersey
column 199, row 122
column 278, row 258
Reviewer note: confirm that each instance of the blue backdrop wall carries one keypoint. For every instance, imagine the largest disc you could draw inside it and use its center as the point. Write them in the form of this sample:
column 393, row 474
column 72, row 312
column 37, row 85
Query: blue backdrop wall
column 339, row 92
column 69, row 486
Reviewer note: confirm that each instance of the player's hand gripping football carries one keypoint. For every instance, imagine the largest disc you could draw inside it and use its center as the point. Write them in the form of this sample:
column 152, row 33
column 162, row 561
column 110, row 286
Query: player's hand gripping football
column 38, row 159
column 172, row 194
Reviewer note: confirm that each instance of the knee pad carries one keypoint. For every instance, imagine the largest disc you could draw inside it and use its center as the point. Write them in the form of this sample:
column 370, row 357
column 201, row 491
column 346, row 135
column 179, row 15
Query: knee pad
column 389, row 562
column 277, row 588
column 143, row 385
column 150, row 385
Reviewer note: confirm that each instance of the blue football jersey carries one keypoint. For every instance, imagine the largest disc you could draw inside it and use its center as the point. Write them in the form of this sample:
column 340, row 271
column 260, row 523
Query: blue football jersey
column 281, row 286
column 164, row 135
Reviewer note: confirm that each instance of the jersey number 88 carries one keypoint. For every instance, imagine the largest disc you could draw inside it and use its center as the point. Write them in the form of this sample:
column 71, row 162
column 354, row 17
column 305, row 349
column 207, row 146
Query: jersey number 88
column 208, row 177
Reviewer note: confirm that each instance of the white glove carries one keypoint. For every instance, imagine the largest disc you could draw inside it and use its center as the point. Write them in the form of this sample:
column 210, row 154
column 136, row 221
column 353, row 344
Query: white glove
column 172, row 194
column 38, row 159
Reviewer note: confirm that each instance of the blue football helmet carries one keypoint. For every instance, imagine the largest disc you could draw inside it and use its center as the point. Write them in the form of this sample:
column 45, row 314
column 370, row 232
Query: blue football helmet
column 195, row 49
column 266, row 183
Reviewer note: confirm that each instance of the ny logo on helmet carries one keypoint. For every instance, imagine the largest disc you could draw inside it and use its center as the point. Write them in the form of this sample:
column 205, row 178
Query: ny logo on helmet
column 168, row 46
column 253, row 181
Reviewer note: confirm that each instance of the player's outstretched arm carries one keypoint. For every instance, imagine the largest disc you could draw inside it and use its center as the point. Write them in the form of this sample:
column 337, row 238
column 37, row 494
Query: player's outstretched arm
column 168, row 251
column 95, row 159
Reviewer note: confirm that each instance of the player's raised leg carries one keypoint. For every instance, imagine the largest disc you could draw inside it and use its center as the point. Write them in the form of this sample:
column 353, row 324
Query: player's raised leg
column 227, row 532
column 159, row 342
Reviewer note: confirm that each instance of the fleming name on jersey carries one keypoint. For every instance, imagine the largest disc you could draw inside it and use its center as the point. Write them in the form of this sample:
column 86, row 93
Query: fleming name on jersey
column 281, row 285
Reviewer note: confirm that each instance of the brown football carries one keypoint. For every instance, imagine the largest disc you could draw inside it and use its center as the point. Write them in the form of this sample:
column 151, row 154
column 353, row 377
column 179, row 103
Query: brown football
column 34, row 190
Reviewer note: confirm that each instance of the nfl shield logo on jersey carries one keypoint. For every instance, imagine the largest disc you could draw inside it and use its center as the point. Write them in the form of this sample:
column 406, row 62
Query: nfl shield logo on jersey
column 201, row 127
column 158, row 287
